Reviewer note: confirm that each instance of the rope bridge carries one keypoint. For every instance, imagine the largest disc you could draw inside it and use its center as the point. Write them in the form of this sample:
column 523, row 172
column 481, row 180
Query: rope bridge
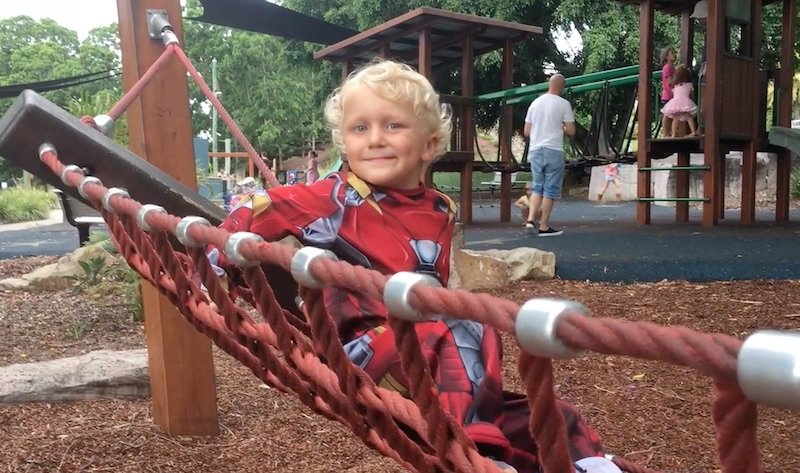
column 302, row 354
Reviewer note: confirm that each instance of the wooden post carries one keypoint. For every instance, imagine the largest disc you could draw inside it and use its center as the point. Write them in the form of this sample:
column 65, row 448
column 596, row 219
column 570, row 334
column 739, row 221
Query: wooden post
column 645, row 112
column 750, row 153
column 682, row 177
column 424, row 54
column 712, row 104
column 784, row 83
column 468, row 124
column 159, row 126
column 506, row 130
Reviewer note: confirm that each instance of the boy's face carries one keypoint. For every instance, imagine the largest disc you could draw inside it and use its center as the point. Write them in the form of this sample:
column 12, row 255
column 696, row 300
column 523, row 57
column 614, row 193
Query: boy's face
column 385, row 142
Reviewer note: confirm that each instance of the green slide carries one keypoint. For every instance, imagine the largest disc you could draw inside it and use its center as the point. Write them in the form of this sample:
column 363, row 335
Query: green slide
column 788, row 138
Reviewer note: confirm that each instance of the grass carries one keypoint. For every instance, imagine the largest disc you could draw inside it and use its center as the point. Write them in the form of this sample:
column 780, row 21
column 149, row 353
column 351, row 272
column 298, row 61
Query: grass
column 23, row 205
column 446, row 181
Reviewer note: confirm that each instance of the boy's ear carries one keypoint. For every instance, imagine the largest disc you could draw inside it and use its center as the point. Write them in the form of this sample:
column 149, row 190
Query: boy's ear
column 429, row 154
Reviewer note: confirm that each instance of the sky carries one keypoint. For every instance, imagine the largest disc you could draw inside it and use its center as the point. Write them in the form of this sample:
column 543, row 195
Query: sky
column 77, row 15
column 84, row 15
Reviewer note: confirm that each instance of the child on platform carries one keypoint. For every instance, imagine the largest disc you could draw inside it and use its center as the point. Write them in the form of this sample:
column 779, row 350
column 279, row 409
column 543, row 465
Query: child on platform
column 388, row 120
column 681, row 108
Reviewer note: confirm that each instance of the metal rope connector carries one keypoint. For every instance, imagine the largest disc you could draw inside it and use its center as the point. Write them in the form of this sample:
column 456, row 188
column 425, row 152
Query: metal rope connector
column 111, row 193
column 105, row 124
column 397, row 291
column 82, row 185
column 535, row 327
column 301, row 265
column 141, row 215
column 46, row 148
column 70, row 168
column 159, row 27
column 232, row 249
column 768, row 369
column 182, row 231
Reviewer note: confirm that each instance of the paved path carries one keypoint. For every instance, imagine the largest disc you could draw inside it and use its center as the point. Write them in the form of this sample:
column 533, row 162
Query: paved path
column 603, row 243
column 600, row 243
column 49, row 237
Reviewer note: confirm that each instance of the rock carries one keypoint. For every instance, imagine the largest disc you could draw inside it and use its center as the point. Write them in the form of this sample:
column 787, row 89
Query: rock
column 61, row 274
column 480, row 270
column 99, row 374
column 456, row 245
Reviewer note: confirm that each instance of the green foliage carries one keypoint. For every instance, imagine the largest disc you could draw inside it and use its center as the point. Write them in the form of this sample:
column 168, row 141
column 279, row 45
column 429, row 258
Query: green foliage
column 794, row 184
column 23, row 205
column 98, row 103
column 33, row 51
column 272, row 87
column 93, row 270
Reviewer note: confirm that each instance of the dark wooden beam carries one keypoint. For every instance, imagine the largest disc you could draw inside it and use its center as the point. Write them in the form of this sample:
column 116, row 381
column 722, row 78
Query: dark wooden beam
column 645, row 112
column 750, row 153
column 468, row 124
column 711, row 106
column 424, row 54
column 682, row 177
column 506, row 131
column 785, row 78
column 182, row 384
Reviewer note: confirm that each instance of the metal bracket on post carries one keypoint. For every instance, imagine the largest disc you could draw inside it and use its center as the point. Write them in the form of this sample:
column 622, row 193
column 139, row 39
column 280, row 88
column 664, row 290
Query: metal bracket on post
column 159, row 27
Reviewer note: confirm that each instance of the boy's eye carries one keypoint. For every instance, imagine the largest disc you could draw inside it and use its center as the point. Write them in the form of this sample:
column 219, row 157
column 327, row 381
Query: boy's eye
column 394, row 126
column 360, row 128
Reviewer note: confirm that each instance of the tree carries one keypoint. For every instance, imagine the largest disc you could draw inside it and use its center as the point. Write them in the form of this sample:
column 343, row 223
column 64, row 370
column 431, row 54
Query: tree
column 33, row 51
column 270, row 86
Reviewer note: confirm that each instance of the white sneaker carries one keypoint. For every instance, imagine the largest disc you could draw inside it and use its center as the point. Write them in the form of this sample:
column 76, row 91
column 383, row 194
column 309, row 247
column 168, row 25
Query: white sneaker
column 596, row 465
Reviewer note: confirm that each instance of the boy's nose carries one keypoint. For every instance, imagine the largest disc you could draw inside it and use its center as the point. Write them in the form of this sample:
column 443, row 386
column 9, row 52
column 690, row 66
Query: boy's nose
column 375, row 136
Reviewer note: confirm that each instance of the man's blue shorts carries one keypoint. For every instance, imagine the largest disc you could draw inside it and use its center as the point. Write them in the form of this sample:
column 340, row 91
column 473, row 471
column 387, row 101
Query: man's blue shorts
column 547, row 167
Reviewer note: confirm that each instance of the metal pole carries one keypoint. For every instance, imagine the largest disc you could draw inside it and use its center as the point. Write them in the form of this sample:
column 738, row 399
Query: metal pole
column 214, row 114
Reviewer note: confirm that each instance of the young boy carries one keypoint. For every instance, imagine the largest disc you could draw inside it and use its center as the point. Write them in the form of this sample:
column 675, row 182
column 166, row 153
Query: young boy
column 388, row 121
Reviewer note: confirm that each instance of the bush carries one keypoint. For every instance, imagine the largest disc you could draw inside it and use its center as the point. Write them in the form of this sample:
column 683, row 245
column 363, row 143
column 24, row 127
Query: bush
column 23, row 205
column 794, row 184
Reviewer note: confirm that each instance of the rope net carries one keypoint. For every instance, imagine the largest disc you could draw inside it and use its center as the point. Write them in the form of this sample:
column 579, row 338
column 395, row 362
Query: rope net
column 306, row 357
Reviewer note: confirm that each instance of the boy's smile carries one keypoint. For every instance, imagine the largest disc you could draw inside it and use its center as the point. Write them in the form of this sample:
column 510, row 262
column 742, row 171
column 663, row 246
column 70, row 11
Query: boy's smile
column 385, row 142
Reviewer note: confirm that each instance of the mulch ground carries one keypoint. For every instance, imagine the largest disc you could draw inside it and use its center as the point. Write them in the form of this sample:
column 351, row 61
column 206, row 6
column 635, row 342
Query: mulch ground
column 652, row 413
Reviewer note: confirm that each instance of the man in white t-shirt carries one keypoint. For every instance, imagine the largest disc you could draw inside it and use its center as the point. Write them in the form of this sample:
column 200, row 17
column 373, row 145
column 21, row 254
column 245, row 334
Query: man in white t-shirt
column 549, row 118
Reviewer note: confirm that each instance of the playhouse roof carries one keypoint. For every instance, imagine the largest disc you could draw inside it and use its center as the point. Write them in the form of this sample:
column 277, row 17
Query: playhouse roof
column 448, row 30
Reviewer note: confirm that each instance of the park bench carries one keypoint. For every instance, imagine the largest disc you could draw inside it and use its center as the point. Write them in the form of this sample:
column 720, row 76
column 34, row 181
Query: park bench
column 496, row 182
column 79, row 215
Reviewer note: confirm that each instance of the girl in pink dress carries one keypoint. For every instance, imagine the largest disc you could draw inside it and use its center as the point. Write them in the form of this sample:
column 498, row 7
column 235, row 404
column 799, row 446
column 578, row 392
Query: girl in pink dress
column 681, row 107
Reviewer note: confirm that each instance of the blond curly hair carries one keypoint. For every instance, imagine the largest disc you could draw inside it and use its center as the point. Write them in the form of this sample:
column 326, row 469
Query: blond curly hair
column 396, row 82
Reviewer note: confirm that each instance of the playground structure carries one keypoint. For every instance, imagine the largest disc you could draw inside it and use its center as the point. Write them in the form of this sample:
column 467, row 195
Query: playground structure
column 179, row 359
column 733, row 101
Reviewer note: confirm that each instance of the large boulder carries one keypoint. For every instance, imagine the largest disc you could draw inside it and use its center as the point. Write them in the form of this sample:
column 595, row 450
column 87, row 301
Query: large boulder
column 99, row 374
column 490, row 269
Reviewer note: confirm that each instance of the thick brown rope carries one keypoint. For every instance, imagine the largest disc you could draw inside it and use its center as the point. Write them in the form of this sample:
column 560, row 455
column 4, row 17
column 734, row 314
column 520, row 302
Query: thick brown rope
column 547, row 425
column 714, row 354
column 736, row 419
column 360, row 388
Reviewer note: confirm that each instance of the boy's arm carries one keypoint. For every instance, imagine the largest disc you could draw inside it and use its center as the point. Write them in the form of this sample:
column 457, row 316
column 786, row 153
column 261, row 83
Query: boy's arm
column 275, row 214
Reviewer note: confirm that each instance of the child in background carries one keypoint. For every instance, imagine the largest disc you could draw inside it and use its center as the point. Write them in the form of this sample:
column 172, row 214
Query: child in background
column 681, row 108
column 610, row 174
column 524, row 202
column 312, row 168
column 667, row 75
column 388, row 120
